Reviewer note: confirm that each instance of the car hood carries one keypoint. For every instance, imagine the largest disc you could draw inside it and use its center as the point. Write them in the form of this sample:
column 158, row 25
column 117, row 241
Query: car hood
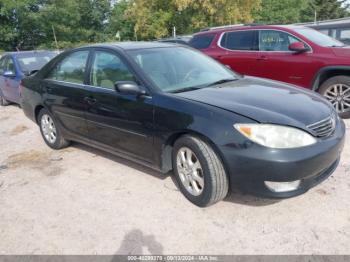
column 341, row 51
column 265, row 101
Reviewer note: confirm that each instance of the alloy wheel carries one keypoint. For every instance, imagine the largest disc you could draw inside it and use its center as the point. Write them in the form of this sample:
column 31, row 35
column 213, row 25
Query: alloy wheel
column 190, row 171
column 339, row 96
column 48, row 128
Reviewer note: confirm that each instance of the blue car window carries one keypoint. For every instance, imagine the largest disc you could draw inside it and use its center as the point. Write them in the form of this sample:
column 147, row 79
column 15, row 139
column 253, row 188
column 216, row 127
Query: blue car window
column 2, row 65
column 10, row 65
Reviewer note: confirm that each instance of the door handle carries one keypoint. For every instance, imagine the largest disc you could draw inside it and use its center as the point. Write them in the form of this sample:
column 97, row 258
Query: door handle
column 48, row 89
column 90, row 100
column 262, row 58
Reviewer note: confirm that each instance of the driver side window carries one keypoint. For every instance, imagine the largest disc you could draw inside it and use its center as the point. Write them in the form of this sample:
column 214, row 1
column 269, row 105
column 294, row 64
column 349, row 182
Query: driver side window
column 107, row 69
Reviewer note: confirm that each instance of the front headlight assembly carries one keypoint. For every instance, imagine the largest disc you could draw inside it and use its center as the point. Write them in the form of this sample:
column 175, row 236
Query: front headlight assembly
column 276, row 136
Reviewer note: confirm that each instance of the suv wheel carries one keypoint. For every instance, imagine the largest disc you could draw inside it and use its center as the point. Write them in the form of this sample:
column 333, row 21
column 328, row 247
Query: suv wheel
column 3, row 101
column 50, row 132
column 337, row 91
column 199, row 172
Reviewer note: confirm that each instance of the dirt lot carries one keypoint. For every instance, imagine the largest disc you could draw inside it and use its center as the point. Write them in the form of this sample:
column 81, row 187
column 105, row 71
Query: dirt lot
column 83, row 201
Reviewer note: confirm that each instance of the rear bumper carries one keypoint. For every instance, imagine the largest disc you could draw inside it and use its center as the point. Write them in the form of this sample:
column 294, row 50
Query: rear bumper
column 250, row 166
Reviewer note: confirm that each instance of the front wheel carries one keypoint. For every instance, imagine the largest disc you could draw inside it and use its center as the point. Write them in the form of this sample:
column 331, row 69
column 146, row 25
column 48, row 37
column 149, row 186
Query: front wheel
column 199, row 171
column 337, row 91
column 50, row 132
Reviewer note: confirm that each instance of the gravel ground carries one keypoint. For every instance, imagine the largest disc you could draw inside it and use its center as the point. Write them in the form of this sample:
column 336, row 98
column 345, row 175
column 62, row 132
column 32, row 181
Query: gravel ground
column 84, row 201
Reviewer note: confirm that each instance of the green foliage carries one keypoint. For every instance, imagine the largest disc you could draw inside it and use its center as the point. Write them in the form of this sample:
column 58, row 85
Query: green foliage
column 120, row 22
column 28, row 24
column 156, row 18
column 325, row 9
column 280, row 11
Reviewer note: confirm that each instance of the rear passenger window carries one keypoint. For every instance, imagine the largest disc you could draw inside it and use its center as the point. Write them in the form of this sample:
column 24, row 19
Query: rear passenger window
column 201, row 41
column 71, row 69
column 240, row 40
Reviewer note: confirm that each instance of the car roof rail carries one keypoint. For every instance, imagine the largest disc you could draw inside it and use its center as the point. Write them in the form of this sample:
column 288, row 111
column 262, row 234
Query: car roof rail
column 254, row 24
column 229, row 26
column 219, row 27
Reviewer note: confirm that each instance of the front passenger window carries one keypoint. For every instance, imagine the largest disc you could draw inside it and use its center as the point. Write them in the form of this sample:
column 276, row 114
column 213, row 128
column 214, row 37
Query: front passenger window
column 71, row 69
column 271, row 40
column 107, row 69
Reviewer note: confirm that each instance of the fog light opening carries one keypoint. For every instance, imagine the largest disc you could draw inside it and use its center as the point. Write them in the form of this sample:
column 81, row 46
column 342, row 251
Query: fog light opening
column 282, row 186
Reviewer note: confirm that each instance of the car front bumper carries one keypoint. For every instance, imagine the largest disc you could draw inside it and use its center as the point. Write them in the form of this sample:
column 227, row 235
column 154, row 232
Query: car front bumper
column 250, row 165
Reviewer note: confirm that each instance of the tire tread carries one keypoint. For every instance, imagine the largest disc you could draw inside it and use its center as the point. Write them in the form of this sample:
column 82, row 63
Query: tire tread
column 220, row 183
column 340, row 79
column 61, row 141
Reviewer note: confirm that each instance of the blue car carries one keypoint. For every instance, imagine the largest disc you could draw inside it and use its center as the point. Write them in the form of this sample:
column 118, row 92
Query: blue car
column 14, row 66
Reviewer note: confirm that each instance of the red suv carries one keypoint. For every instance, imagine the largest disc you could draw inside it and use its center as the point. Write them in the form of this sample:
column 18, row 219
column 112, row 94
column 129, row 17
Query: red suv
column 294, row 54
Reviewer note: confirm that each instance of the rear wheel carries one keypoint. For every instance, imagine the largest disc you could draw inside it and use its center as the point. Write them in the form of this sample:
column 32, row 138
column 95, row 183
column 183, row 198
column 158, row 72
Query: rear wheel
column 50, row 132
column 199, row 171
column 3, row 101
column 337, row 91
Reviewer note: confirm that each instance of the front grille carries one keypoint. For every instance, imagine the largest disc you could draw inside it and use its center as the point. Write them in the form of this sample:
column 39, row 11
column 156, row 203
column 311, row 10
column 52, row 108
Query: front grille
column 323, row 128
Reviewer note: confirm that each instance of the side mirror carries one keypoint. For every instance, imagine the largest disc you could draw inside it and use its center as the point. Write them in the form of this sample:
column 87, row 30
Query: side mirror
column 298, row 47
column 128, row 88
column 9, row 74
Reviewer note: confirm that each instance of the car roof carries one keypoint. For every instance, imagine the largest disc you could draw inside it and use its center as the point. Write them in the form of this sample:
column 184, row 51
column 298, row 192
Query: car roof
column 135, row 45
column 246, row 27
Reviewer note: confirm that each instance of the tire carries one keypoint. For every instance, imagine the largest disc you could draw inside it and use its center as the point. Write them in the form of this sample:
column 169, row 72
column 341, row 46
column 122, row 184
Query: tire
column 45, row 121
column 3, row 101
column 331, row 90
column 212, row 172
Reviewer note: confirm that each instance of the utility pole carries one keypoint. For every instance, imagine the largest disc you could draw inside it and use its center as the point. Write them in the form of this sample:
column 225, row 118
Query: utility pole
column 135, row 33
column 315, row 21
column 54, row 35
column 174, row 32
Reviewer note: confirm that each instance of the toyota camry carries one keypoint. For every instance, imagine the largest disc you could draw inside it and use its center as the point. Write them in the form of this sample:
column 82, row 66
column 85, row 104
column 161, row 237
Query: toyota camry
column 170, row 107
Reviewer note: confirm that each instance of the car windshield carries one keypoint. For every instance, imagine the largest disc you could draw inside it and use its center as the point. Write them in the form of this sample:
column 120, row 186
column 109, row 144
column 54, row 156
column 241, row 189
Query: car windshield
column 319, row 38
column 34, row 61
column 178, row 69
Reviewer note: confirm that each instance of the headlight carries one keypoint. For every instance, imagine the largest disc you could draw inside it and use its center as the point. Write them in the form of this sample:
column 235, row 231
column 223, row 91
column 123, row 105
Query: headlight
column 275, row 136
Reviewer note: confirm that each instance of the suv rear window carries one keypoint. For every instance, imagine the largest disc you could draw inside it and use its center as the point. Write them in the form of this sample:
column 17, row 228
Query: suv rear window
column 240, row 40
column 201, row 41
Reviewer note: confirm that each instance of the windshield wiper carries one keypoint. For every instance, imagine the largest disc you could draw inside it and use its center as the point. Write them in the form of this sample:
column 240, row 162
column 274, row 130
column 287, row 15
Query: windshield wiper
column 337, row 46
column 185, row 89
column 222, row 81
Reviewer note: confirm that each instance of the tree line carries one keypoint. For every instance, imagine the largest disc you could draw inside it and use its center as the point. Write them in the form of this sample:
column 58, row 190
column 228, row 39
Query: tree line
column 33, row 24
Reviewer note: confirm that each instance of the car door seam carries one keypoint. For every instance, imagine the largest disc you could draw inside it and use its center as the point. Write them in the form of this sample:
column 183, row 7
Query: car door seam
column 116, row 128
